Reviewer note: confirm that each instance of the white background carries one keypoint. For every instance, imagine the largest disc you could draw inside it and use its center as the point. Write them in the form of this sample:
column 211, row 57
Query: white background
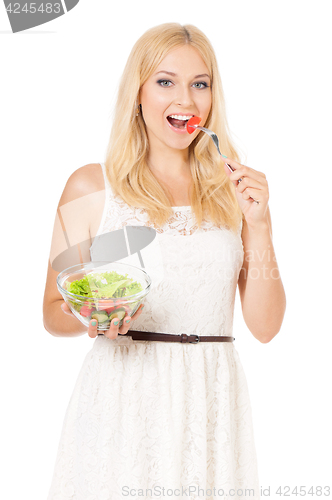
column 58, row 88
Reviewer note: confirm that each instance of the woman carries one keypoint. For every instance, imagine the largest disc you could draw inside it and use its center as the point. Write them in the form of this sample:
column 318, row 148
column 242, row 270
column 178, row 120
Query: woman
column 152, row 417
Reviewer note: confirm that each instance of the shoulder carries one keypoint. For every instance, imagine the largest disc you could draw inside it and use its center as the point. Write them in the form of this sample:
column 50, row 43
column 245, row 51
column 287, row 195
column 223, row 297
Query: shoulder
column 84, row 181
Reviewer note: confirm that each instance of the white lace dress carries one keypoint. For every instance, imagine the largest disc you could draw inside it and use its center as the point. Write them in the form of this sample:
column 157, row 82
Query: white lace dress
column 151, row 419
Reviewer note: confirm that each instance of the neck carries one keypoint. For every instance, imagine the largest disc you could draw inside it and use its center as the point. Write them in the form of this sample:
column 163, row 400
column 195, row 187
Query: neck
column 170, row 164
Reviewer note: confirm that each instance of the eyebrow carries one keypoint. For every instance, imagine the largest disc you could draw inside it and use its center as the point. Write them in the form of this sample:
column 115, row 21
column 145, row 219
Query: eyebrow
column 174, row 74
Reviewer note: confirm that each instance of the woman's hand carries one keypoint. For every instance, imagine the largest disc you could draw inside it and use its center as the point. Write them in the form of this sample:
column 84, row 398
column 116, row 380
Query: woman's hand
column 113, row 330
column 252, row 189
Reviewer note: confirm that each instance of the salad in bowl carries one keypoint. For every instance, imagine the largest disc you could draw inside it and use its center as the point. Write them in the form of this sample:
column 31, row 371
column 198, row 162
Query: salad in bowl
column 103, row 291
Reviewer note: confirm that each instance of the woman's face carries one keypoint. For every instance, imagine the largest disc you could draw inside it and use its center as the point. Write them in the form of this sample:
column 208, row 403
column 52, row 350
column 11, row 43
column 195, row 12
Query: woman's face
column 180, row 87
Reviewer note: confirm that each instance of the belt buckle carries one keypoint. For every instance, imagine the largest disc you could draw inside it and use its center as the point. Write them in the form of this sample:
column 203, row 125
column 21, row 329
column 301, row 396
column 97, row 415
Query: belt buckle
column 195, row 341
column 184, row 338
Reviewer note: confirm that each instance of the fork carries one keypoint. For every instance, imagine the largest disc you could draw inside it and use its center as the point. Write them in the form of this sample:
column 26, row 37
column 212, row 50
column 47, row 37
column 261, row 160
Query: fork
column 215, row 139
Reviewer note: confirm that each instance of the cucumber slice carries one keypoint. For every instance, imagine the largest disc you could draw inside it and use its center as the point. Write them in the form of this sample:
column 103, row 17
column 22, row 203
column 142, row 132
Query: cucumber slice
column 100, row 316
column 117, row 313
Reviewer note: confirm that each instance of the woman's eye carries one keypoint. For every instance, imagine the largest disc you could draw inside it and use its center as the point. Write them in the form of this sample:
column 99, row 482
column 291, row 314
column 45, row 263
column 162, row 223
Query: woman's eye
column 200, row 85
column 164, row 83
column 197, row 85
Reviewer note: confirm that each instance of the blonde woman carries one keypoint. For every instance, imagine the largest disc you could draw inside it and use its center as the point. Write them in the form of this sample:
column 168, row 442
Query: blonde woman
column 161, row 405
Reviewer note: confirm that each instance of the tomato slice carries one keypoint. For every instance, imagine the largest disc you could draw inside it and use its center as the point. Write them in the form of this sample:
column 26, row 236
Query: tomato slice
column 195, row 120
column 111, row 304
column 105, row 304
column 86, row 311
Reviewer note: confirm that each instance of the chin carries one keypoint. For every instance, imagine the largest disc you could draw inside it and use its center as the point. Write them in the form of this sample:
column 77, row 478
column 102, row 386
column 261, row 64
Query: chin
column 181, row 143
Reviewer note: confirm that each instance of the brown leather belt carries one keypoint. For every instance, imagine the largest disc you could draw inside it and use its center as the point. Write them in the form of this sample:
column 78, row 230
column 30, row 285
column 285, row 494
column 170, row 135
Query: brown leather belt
column 168, row 337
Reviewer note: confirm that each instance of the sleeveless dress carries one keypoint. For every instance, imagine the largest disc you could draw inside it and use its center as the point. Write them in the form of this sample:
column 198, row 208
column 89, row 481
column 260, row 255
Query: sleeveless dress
column 151, row 419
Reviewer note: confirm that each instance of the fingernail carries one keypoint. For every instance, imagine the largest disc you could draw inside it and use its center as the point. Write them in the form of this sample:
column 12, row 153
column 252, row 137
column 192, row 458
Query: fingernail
column 142, row 306
column 116, row 322
column 224, row 156
column 127, row 320
column 93, row 323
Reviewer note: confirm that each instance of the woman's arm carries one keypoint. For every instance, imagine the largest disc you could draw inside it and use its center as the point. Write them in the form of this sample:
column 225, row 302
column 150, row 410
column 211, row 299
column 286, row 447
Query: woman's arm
column 55, row 321
column 261, row 290
column 76, row 208
column 79, row 213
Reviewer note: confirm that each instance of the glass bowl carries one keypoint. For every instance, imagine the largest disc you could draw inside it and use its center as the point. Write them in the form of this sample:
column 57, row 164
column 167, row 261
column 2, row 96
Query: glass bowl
column 90, row 301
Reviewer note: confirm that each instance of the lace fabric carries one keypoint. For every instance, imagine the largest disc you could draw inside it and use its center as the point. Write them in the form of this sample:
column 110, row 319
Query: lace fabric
column 149, row 415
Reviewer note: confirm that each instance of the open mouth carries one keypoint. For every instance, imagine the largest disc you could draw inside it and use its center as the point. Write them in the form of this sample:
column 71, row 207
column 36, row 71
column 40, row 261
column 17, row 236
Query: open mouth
column 178, row 121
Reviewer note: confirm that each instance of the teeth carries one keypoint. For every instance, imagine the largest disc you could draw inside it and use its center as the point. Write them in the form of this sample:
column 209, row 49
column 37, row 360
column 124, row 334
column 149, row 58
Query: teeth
column 179, row 117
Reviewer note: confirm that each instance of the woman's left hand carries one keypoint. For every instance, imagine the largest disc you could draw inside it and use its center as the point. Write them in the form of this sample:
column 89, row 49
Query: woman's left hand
column 252, row 189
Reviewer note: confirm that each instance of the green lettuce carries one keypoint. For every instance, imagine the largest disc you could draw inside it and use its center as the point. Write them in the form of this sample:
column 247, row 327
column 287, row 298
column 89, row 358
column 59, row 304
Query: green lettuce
column 104, row 285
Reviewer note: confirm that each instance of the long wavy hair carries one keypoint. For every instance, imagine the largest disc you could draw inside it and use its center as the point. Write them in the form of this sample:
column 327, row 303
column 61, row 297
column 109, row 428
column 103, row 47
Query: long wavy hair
column 212, row 195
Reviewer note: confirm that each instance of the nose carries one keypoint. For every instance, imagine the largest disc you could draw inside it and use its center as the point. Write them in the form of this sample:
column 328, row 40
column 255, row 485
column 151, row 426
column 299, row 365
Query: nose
column 184, row 97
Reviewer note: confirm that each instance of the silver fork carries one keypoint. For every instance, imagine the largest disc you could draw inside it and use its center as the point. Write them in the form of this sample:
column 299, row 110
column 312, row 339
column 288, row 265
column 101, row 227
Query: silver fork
column 215, row 139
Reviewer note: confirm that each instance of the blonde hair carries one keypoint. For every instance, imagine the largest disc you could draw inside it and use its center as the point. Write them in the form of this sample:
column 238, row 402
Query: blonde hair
column 212, row 194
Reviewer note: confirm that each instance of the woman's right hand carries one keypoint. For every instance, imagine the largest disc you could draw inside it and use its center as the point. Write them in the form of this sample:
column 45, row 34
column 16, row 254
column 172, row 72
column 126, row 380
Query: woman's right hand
column 113, row 330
